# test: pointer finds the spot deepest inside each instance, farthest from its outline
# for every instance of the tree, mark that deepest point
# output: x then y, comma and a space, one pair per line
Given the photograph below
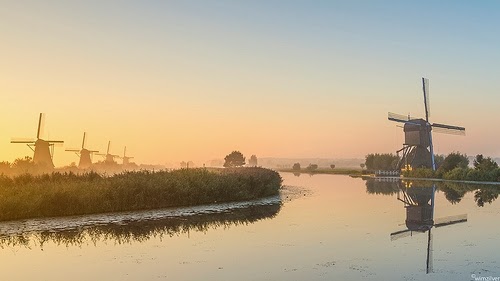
253, 160
234, 159
362, 166
484, 164
332, 166
378, 161
452, 161
296, 167
312, 167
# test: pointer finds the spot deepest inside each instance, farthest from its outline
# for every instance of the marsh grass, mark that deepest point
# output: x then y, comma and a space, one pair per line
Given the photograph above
66, 194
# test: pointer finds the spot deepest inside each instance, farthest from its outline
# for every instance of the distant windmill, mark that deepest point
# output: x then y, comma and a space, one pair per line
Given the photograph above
417, 149
108, 158
84, 154
419, 205
125, 158
43, 149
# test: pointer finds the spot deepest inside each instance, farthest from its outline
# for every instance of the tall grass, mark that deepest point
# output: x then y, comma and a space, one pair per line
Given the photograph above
66, 194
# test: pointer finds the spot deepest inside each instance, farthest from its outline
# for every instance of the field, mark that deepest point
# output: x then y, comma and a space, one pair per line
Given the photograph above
66, 194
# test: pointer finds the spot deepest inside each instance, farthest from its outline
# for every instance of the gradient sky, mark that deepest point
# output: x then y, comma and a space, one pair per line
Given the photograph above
194, 80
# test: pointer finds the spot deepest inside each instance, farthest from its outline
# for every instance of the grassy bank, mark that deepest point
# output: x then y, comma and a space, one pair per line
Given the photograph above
67, 194
336, 171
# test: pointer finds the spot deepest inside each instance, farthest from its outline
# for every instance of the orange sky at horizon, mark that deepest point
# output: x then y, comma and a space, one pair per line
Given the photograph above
176, 82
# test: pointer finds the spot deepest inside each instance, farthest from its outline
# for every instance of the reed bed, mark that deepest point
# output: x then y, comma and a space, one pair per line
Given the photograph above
67, 194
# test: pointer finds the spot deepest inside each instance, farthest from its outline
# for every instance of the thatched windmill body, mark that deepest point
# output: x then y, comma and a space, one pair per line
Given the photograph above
418, 150
84, 154
43, 150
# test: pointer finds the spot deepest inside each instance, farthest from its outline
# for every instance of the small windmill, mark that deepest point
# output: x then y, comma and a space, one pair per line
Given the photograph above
84, 154
43, 149
419, 205
417, 149
108, 158
125, 158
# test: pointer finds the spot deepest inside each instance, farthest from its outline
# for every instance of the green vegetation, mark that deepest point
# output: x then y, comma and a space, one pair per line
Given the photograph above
456, 167
381, 161
66, 194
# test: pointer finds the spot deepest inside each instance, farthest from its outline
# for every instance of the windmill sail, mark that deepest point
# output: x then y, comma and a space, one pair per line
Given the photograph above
425, 84
448, 129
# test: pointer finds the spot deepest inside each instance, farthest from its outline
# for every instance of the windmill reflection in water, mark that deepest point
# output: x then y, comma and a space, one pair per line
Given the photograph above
418, 200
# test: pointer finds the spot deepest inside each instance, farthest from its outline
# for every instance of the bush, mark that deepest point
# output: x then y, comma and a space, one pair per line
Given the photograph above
67, 194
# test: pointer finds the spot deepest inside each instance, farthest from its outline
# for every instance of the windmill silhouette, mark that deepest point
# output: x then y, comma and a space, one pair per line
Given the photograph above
418, 150
84, 154
419, 205
43, 150
108, 157
125, 158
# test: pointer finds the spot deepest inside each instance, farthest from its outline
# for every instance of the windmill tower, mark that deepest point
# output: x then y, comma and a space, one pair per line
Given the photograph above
43, 149
108, 158
418, 149
419, 205
84, 154
125, 158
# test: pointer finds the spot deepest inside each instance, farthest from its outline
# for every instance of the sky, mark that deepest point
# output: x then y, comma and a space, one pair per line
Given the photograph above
194, 80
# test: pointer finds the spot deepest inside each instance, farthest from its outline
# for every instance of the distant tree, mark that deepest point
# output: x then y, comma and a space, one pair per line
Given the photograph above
332, 166
381, 161
296, 167
184, 164
312, 167
24, 165
362, 166
234, 159
452, 161
484, 164
252, 161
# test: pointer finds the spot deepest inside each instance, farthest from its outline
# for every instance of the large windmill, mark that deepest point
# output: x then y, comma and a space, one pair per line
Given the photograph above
125, 158
84, 154
419, 205
417, 149
43, 149
108, 158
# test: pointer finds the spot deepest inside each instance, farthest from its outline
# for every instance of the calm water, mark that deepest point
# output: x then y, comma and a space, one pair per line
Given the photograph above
322, 227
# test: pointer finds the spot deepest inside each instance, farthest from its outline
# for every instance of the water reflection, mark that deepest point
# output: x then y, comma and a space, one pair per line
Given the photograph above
453, 191
418, 198
136, 227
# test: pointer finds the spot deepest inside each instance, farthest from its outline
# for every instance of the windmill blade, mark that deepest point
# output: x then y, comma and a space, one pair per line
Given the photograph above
109, 144
41, 125
400, 234
450, 220
72, 150
94, 151
22, 140
448, 129
398, 117
125, 152
55, 142
425, 87
429, 262
83, 142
